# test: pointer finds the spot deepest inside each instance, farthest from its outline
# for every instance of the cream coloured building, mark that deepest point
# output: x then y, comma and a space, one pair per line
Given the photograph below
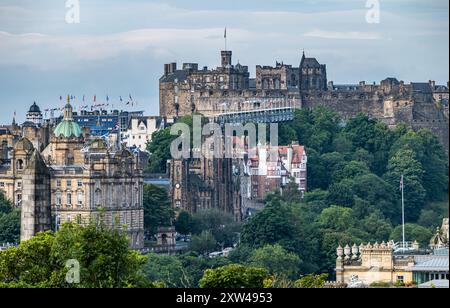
88, 181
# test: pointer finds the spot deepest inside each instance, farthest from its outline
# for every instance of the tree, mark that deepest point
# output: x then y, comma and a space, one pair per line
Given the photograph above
203, 243
10, 227
337, 218
430, 219
183, 223
270, 226
234, 276
9, 222
350, 171
276, 260
377, 227
103, 256
413, 232
404, 163
159, 148
341, 194
312, 281
316, 200
317, 172
291, 192
195, 265
379, 194
158, 211
167, 269
222, 226
433, 158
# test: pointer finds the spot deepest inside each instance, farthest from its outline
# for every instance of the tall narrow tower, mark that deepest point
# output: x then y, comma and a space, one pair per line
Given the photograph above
36, 198
226, 58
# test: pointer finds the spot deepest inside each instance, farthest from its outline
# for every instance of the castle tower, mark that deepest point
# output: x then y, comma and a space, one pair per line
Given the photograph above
226, 58
36, 198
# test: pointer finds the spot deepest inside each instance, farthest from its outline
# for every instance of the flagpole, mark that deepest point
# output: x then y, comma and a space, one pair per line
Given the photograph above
403, 213
225, 36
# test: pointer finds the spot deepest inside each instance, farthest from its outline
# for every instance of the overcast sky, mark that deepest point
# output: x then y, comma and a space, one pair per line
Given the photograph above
119, 47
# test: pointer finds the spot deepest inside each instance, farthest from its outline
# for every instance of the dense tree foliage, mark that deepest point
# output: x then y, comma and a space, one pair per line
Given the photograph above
104, 259
234, 276
311, 281
183, 223
159, 147
203, 243
225, 231
276, 260
158, 211
413, 232
9, 222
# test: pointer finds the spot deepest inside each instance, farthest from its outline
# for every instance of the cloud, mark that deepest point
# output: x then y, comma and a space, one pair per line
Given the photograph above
344, 35
123, 44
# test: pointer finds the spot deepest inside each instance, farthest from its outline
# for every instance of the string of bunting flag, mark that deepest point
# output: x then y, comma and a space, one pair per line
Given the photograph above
84, 103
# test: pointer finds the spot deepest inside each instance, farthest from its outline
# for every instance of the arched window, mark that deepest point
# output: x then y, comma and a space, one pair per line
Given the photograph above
20, 164
98, 197
276, 82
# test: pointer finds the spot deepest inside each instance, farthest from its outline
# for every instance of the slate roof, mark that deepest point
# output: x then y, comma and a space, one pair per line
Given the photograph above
310, 62
431, 263
180, 75
422, 87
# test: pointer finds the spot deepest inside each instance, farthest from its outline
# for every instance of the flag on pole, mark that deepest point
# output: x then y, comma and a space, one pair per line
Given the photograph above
121, 99
402, 182
107, 98
60, 97
95, 98
225, 33
68, 99
84, 97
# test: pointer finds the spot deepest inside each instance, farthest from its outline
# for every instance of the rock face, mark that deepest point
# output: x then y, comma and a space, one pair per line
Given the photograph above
36, 198
392, 102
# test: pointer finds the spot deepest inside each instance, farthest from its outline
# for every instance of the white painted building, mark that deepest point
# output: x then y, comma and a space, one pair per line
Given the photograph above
140, 131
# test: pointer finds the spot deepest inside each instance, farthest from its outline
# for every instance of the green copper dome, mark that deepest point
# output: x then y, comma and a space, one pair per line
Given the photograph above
68, 127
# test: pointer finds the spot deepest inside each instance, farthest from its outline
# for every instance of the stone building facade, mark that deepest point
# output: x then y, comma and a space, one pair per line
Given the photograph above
230, 89
389, 263
267, 175
205, 183
88, 182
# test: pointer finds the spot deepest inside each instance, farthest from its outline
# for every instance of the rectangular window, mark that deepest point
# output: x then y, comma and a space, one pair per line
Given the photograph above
58, 183
400, 279
69, 183
19, 199
58, 198
69, 198
79, 219
69, 218
80, 198
19, 185
80, 183
2, 185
